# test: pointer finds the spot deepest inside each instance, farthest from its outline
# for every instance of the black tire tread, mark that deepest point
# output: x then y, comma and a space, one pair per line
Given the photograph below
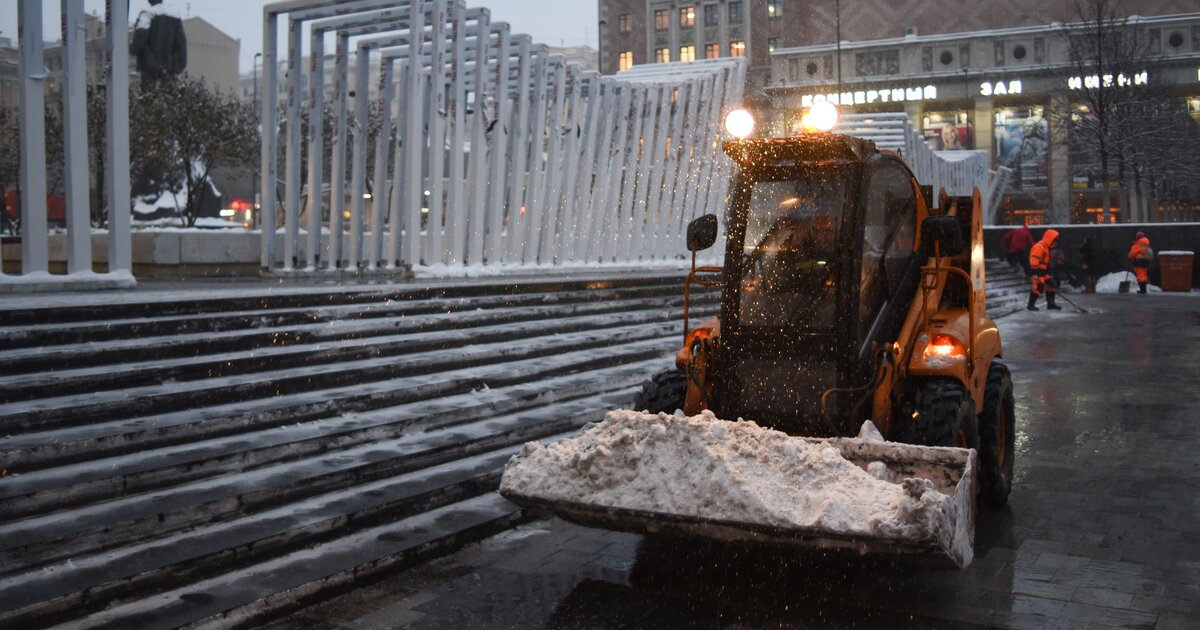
995, 477
664, 392
943, 409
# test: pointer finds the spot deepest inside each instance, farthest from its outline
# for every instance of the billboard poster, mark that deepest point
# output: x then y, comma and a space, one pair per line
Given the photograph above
1022, 144
948, 131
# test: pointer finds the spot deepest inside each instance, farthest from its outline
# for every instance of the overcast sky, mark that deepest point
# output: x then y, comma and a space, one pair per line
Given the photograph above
553, 22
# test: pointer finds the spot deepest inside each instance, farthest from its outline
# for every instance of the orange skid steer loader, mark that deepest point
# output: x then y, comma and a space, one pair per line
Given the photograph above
846, 297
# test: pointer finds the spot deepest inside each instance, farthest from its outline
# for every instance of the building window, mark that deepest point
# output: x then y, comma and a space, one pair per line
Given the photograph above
712, 15
687, 53
625, 23
661, 21
662, 55
737, 49
772, 44
774, 8
687, 17
735, 12
625, 60
712, 51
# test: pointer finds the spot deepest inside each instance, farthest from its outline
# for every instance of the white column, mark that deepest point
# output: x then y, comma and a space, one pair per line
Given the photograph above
292, 178
547, 216
437, 107
120, 257
414, 138
270, 142
358, 155
519, 146
493, 213
35, 256
379, 182
75, 144
316, 146
457, 210
337, 157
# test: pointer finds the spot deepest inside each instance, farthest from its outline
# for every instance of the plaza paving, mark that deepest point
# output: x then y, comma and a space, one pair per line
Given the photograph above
1102, 530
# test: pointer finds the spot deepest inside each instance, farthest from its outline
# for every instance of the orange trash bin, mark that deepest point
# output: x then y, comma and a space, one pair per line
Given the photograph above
1175, 270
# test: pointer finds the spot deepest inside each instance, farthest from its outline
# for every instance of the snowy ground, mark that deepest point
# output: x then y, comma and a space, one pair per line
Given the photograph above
1111, 283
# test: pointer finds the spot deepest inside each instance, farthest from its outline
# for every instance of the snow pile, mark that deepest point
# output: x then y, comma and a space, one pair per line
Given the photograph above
1111, 283
735, 471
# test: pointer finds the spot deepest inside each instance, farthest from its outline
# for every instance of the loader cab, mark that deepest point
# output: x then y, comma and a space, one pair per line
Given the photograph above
818, 254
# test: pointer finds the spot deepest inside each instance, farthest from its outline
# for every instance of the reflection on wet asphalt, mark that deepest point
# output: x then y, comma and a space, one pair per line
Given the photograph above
1102, 529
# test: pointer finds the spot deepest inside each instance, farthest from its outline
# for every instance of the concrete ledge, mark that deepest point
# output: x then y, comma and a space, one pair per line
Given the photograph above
79, 281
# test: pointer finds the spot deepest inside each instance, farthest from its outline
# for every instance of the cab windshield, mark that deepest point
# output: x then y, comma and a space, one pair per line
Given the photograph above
788, 254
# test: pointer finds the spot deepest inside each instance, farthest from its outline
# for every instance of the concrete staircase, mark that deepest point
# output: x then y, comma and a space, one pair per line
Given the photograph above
1007, 289
223, 461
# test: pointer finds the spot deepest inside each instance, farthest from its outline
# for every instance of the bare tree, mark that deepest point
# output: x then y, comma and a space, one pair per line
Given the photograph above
10, 167
182, 129
1112, 61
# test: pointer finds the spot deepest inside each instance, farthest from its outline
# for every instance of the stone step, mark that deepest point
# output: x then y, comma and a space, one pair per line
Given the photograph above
310, 355
313, 328
35, 492
72, 308
410, 441
37, 336
74, 409
263, 591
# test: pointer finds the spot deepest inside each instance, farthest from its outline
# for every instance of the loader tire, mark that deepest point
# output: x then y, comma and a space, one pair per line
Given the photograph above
945, 416
997, 437
662, 393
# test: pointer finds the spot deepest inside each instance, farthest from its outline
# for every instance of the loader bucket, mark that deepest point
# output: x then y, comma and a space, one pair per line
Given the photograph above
930, 528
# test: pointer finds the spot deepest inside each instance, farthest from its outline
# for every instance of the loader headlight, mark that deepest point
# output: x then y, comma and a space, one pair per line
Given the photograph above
739, 123
821, 116
944, 346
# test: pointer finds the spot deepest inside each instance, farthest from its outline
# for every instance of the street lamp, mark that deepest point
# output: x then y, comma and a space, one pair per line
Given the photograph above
255, 71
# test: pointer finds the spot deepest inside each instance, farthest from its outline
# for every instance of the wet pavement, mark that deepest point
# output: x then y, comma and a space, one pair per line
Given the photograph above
1102, 529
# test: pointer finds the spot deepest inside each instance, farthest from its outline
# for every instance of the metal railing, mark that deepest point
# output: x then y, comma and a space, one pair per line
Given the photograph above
492, 152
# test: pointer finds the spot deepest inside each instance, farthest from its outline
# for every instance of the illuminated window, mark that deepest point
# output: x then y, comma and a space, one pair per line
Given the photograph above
625, 24
687, 17
687, 53
737, 49
625, 60
735, 12
712, 15
662, 55
774, 8
661, 21
772, 43
712, 51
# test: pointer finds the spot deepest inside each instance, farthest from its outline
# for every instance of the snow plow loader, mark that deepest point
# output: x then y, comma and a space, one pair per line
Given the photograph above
848, 395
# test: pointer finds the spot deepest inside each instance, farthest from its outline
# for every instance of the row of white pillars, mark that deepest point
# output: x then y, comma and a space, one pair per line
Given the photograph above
35, 250
500, 152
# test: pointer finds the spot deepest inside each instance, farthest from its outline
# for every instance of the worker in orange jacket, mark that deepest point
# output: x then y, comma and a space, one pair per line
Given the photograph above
1141, 255
1039, 271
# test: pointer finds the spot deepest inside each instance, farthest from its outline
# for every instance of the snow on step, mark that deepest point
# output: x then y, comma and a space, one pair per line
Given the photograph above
38, 449
28, 414
315, 353
265, 482
196, 458
238, 597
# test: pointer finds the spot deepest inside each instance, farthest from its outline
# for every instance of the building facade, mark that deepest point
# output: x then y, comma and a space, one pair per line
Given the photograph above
661, 31
635, 32
1010, 92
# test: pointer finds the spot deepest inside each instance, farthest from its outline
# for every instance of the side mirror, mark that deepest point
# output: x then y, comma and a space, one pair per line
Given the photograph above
944, 231
702, 233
